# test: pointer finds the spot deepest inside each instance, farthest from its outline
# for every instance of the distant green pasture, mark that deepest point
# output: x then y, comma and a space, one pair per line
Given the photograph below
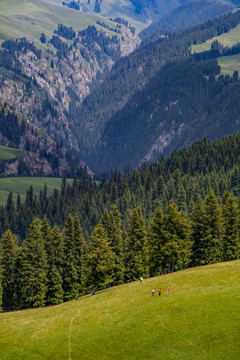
7, 153
29, 18
229, 64
19, 185
226, 39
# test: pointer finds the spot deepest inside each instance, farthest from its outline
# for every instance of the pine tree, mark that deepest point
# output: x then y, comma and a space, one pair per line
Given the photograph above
210, 244
198, 217
31, 270
112, 224
231, 237
101, 260
136, 247
156, 240
8, 250
79, 250
178, 246
71, 286
55, 267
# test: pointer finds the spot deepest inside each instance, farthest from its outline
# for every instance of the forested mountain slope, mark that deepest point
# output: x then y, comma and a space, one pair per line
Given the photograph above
181, 178
104, 114
42, 155
187, 15
47, 72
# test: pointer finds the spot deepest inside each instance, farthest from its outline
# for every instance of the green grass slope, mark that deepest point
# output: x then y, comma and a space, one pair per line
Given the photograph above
226, 39
7, 153
19, 185
29, 18
229, 64
199, 319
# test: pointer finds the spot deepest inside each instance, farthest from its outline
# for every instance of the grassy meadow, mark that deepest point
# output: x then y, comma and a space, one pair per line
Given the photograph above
229, 64
7, 153
19, 185
29, 18
226, 39
199, 319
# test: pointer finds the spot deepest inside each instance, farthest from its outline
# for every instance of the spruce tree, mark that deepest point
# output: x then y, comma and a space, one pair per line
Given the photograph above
231, 238
31, 270
112, 224
198, 217
136, 247
71, 286
8, 250
210, 246
178, 246
55, 267
156, 241
101, 260
79, 250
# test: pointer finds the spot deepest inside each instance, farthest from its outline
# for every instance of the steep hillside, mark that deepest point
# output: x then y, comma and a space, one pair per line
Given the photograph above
61, 54
184, 107
42, 155
108, 100
187, 15
199, 320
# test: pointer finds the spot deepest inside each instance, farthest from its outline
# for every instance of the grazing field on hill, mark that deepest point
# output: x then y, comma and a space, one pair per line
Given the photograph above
7, 153
19, 185
199, 319
29, 18
229, 64
226, 39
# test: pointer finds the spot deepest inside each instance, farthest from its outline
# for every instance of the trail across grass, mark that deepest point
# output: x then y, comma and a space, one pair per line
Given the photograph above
199, 319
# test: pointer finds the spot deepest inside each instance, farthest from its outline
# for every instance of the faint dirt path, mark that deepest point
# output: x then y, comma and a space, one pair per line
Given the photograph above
70, 335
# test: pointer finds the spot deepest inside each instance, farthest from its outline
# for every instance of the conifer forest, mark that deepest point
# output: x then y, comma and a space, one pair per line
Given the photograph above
181, 212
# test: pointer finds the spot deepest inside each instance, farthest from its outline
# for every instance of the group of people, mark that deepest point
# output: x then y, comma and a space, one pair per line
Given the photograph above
160, 291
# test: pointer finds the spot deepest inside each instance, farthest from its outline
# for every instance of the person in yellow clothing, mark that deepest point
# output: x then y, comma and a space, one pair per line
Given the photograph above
141, 279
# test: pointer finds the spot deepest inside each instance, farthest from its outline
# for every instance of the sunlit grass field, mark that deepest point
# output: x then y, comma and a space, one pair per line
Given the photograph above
226, 39
29, 18
229, 64
7, 153
199, 319
19, 185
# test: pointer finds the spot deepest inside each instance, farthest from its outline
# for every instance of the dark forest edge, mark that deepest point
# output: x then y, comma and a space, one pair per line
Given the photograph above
52, 267
183, 211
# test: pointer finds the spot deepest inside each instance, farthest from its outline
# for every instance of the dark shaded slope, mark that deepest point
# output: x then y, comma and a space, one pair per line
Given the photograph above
188, 15
182, 104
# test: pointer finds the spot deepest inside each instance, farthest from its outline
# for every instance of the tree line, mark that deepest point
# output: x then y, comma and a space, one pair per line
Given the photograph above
54, 266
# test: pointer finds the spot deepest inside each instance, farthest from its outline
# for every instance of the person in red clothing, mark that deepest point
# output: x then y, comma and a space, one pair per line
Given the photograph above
168, 290
159, 292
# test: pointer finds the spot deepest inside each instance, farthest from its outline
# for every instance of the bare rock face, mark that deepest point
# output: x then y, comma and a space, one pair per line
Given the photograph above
50, 86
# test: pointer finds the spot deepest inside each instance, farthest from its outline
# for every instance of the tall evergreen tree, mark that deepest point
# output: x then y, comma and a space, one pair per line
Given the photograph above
136, 247
112, 224
231, 237
198, 218
70, 274
55, 267
178, 246
156, 241
210, 243
31, 270
79, 250
8, 250
101, 260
